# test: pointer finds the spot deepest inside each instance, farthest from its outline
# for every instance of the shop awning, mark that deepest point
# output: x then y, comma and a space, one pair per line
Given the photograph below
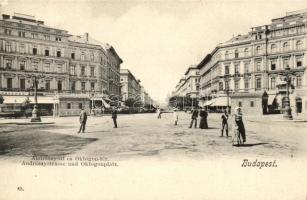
22, 99
271, 98
106, 105
201, 103
221, 101
209, 103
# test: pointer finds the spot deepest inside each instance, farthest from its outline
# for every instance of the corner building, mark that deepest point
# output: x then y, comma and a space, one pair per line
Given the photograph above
247, 69
73, 71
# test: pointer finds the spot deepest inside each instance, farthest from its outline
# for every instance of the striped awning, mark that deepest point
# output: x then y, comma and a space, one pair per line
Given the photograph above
22, 99
221, 101
271, 98
209, 103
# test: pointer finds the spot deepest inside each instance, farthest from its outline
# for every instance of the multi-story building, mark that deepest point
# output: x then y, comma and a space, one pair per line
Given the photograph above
145, 98
130, 86
187, 89
249, 67
113, 63
72, 70
189, 84
132, 89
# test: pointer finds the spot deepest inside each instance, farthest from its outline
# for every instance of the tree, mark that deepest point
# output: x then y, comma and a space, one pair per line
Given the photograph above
129, 102
25, 106
26, 102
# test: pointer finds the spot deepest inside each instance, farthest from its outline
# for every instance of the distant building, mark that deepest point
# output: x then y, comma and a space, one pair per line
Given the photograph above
113, 64
130, 86
187, 88
189, 84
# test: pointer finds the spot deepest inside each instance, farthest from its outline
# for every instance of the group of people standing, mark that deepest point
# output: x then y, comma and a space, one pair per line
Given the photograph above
203, 124
238, 136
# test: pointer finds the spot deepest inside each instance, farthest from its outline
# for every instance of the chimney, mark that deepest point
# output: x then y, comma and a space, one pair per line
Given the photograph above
86, 37
40, 22
4, 16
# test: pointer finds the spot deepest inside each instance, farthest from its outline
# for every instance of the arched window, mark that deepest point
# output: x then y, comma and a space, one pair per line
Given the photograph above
273, 48
286, 46
236, 53
246, 52
258, 50
299, 44
226, 55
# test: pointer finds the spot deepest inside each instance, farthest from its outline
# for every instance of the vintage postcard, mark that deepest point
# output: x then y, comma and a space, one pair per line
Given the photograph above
153, 99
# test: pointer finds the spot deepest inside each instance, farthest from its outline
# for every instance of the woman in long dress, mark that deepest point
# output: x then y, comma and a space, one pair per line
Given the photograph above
203, 119
238, 128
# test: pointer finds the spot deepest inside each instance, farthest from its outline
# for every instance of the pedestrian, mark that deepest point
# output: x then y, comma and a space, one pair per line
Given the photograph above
114, 117
239, 130
194, 118
224, 123
159, 113
82, 120
175, 115
203, 124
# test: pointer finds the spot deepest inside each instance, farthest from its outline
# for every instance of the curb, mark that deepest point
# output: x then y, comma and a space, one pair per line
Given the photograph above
28, 123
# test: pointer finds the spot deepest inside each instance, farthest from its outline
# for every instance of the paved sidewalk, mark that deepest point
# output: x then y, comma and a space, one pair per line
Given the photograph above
276, 118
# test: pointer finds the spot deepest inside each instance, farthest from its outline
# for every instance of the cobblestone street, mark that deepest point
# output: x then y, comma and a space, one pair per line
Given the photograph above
143, 135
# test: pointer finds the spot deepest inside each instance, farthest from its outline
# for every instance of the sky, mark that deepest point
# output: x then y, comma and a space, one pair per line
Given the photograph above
157, 39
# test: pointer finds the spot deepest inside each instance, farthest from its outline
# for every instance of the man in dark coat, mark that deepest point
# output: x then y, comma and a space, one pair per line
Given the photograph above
114, 117
224, 123
240, 124
194, 118
82, 120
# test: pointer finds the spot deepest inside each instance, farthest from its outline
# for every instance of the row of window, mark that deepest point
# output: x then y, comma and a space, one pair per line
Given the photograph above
32, 35
22, 85
83, 86
286, 31
73, 70
47, 52
8, 48
46, 68
35, 66
273, 48
258, 65
258, 83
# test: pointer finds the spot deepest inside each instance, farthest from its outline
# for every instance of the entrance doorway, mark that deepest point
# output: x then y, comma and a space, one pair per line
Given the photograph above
298, 103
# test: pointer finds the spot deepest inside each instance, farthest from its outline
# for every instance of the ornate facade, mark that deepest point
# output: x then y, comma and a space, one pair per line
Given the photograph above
72, 70
251, 65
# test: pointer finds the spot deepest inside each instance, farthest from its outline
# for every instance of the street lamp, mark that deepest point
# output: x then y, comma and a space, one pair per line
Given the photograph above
228, 106
35, 113
288, 112
93, 98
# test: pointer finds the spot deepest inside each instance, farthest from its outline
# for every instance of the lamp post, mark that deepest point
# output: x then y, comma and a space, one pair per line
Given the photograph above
35, 113
93, 97
288, 112
228, 106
